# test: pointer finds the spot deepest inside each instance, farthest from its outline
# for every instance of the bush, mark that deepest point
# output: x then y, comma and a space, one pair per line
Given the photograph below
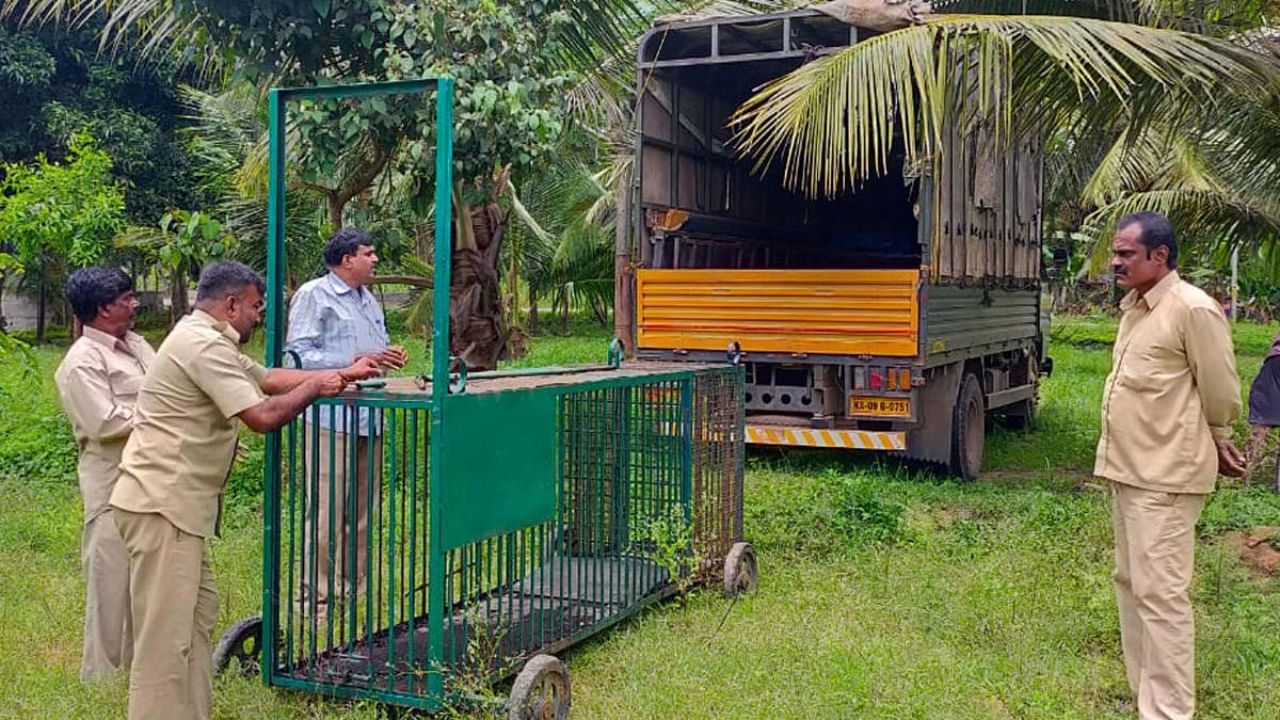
36, 444
244, 490
1234, 507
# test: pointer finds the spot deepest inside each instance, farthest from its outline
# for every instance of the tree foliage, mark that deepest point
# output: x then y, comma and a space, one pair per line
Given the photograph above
56, 83
182, 242
54, 215
67, 210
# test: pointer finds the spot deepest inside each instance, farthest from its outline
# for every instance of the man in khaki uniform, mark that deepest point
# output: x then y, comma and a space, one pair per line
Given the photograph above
168, 499
98, 383
1166, 415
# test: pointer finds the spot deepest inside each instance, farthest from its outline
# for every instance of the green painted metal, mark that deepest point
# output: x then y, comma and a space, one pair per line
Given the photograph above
275, 311
440, 348
274, 350
614, 458
497, 465
524, 372
359, 90
526, 514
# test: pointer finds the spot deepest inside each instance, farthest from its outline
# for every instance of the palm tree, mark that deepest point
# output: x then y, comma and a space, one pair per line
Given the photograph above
1105, 85
569, 253
227, 138
1216, 179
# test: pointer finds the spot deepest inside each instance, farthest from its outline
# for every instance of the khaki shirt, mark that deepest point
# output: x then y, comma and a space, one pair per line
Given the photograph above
184, 438
98, 383
1172, 388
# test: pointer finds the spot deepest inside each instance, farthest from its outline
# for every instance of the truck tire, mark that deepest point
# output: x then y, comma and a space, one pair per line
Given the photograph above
968, 429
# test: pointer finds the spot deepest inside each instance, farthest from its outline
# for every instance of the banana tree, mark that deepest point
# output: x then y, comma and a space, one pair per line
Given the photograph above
182, 242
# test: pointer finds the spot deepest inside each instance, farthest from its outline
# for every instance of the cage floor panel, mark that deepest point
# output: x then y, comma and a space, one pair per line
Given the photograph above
566, 595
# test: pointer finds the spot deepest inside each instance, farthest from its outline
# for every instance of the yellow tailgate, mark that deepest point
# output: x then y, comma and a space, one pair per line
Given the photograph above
821, 312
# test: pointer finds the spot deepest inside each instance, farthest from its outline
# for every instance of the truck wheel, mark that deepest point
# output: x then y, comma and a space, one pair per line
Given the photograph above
968, 430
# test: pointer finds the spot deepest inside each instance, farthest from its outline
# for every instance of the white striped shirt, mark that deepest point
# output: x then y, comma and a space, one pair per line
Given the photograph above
329, 324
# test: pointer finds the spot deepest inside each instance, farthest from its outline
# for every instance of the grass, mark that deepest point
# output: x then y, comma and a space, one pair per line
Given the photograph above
885, 592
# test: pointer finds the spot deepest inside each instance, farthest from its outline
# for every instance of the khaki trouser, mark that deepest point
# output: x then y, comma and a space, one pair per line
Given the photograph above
174, 608
341, 506
1155, 556
108, 628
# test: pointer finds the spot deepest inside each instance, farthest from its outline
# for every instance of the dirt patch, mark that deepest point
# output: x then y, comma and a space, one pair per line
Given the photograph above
998, 709
948, 515
1257, 548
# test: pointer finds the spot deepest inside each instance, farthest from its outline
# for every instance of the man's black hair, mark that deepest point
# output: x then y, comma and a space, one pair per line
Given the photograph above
1156, 231
90, 289
227, 277
345, 241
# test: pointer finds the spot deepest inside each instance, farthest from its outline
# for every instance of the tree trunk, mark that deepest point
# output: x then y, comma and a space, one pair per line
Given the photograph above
44, 288
477, 330
564, 307
177, 296
336, 204
533, 309
513, 281
601, 312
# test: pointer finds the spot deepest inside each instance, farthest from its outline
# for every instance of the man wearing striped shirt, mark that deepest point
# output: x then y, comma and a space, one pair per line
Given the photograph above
334, 320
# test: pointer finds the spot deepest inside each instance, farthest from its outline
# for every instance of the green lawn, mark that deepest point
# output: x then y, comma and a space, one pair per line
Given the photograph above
885, 592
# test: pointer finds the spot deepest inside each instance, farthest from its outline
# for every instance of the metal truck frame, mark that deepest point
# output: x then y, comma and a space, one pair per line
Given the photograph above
897, 318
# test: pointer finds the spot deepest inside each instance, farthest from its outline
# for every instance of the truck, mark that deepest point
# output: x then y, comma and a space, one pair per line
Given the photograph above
898, 317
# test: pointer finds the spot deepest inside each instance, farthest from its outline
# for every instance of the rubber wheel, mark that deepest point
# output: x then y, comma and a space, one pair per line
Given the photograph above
740, 570
243, 642
968, 430
541, 691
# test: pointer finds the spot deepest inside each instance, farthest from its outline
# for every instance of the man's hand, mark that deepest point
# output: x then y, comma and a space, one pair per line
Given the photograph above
328, 384
363, 368
394, 357
397, 355
1230, 462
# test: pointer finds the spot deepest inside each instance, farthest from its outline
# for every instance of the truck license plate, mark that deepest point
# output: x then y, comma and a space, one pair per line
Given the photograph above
880, 407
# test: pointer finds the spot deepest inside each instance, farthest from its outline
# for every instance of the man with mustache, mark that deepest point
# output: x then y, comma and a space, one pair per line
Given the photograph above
1167, 411
333, 320
98, 384
168, 499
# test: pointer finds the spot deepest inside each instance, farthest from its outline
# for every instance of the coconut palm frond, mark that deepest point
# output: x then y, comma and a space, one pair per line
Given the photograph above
832, 122
1212, 218
154, 29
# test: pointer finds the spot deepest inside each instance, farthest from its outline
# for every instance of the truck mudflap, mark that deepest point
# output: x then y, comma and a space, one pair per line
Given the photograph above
842, 439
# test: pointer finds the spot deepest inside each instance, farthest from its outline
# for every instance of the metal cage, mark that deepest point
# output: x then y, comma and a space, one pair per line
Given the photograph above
548, 521
477, 524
